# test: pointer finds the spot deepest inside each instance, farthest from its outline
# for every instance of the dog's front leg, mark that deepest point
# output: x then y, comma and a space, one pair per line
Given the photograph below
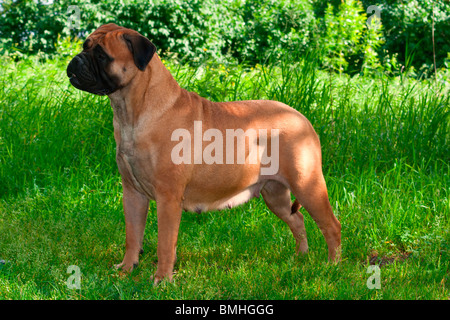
135, 206
169, 217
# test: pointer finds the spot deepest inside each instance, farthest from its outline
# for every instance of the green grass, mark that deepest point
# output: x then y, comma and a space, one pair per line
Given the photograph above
385, 145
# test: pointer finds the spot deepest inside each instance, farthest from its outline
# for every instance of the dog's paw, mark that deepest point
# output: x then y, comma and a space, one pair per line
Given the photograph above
126, 266
157, 279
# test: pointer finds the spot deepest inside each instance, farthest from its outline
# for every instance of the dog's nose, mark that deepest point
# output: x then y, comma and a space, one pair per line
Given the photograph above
68, 71
73, 66
79, 68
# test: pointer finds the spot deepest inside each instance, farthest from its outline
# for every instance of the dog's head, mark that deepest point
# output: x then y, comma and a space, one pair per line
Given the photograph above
110, 59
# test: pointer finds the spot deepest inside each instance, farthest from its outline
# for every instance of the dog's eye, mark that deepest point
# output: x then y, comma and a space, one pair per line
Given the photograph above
101, 57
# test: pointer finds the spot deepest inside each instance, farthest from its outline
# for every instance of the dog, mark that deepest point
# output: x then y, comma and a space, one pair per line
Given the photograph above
154, 122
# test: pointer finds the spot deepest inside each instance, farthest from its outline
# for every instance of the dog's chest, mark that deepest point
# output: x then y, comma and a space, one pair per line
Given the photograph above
126, 141
133, 170
129, 156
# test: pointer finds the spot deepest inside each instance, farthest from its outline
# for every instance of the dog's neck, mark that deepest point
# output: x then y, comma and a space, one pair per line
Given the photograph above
136, 102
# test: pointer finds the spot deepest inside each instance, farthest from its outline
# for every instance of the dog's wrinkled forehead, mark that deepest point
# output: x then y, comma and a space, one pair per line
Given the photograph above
103, 33
122, 45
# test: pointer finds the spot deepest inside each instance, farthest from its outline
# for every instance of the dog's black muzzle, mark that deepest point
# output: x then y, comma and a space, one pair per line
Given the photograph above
85, 75
80, 72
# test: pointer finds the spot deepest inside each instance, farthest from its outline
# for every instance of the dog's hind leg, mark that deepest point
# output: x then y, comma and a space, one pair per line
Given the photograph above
278, 200
311, 192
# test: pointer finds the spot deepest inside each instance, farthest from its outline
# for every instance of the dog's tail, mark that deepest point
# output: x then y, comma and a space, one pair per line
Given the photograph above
295, 207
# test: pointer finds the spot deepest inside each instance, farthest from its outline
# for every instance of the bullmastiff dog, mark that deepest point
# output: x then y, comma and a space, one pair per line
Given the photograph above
188, 153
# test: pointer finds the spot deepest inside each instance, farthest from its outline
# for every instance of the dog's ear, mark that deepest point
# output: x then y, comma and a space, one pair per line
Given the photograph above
141, 48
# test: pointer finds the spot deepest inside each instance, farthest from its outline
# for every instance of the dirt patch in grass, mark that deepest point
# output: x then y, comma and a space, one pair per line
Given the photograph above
376, 259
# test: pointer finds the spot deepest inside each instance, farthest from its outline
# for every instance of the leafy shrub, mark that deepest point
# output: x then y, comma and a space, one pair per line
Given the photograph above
407, 28
246, 31
408, 31
30, 26
348, 43
269, 28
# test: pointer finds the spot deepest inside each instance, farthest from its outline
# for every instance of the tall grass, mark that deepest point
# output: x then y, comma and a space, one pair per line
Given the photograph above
385, 144
48, 128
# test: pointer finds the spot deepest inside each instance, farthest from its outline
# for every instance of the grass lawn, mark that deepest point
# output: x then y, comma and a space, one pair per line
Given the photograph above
386, 150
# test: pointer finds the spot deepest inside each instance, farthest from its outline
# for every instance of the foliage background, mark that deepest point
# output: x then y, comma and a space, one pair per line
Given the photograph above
248, 31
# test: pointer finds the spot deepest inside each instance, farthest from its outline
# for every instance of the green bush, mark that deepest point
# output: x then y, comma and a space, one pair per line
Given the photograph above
267, 28
29, 26
408, 26
348, 44
248, 30
245, 31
